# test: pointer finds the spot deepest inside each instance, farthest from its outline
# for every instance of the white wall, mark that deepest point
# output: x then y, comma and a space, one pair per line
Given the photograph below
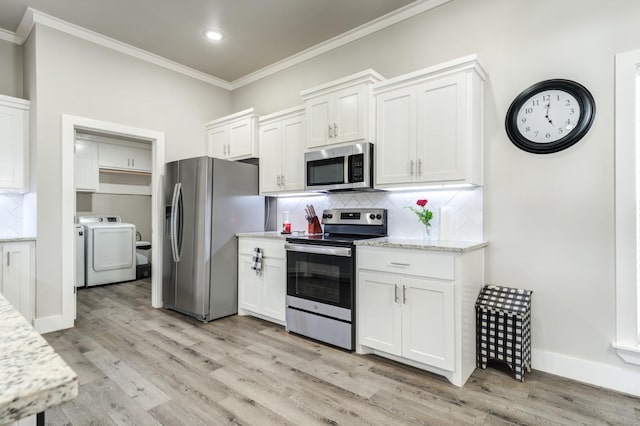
134, 209
10, 69
73, 76
549, 219
11, 215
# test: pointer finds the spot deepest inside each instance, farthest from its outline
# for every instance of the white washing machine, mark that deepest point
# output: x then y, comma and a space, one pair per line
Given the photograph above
110, 250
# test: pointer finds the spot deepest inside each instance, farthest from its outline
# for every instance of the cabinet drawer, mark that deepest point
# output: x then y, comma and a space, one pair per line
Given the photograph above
271, 248
421, 263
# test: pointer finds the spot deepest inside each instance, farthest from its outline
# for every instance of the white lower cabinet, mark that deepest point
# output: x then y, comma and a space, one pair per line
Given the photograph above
418, 307
262, 294
17, 274
427, 322
408, 317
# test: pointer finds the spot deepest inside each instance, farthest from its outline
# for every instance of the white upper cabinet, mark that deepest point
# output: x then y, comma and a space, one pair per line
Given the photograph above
86, 166
233, 137
107, 165
218, 141
340, 111
281, 138
429, 126
14, 144
124, 157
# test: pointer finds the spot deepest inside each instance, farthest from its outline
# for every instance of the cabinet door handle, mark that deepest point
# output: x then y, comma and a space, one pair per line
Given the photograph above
335, 130
411, 168
133, 162
395, 292
128, 162
400, 264
330, 131
279, 181
419, 167
224, 149
404, 294
282, 180
229, 149
8, 258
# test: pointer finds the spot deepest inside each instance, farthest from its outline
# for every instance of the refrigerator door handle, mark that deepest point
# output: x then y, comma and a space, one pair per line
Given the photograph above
180, 222
174, 222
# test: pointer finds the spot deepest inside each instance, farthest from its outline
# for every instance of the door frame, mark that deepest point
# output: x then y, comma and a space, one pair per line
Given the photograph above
70, 124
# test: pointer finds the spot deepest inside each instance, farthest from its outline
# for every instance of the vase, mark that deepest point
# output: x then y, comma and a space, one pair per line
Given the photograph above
426, 232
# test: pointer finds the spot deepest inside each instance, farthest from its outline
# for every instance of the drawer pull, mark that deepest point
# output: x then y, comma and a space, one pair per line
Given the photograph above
400, 264
404, 294
395, 292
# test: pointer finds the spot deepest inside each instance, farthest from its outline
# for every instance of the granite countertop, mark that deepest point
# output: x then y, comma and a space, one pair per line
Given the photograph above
275, 235
434, 245
14, 238
391, 242
33, 377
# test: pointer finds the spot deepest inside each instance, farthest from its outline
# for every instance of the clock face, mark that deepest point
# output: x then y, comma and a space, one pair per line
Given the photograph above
548, 116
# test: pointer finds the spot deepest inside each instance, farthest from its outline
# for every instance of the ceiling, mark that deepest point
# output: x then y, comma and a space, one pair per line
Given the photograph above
257, 33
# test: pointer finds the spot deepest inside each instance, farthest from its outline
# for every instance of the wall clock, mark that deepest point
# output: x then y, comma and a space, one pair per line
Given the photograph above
550, 116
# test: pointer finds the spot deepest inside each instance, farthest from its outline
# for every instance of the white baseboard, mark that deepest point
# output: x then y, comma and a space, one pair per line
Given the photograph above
621, 379
52, 323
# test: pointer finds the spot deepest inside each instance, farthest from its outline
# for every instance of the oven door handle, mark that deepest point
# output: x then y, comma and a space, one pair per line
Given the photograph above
308, 248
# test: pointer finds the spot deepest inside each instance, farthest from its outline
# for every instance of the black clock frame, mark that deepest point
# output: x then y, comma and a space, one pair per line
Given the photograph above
587, 114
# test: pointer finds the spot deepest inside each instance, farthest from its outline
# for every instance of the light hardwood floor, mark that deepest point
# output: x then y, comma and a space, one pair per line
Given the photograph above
145, 366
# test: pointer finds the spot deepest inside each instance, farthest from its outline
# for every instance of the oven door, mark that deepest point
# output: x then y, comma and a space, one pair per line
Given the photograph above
320, 274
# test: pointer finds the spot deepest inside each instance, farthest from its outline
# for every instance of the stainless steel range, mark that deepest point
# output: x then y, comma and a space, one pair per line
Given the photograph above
321, 275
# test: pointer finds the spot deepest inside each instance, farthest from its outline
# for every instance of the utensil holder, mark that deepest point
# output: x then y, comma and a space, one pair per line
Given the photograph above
314, 227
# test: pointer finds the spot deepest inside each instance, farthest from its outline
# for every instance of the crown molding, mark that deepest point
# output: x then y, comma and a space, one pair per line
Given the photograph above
32, 17
364, 30
9, 36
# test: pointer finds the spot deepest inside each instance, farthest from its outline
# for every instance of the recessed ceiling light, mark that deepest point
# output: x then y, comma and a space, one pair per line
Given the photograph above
214, 35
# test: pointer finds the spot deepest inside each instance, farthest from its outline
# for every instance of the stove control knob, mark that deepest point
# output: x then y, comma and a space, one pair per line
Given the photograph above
372, 216
378, 216
324, 215
330, 216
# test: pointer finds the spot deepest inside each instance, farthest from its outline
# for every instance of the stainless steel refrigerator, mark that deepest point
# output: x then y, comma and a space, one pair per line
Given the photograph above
208, 202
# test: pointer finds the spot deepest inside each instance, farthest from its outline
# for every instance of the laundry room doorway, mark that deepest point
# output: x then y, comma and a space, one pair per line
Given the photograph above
139, 177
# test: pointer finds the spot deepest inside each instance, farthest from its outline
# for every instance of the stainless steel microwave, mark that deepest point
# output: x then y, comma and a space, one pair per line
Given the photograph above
342, 168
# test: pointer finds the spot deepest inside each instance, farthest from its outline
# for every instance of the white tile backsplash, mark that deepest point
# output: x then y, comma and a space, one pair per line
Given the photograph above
11, 215
462, 208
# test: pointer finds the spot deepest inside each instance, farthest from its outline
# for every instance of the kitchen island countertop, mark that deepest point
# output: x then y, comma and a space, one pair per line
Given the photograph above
434, 245
33, 377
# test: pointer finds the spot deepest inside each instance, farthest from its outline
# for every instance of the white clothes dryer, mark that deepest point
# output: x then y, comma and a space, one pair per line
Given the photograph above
110, 250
